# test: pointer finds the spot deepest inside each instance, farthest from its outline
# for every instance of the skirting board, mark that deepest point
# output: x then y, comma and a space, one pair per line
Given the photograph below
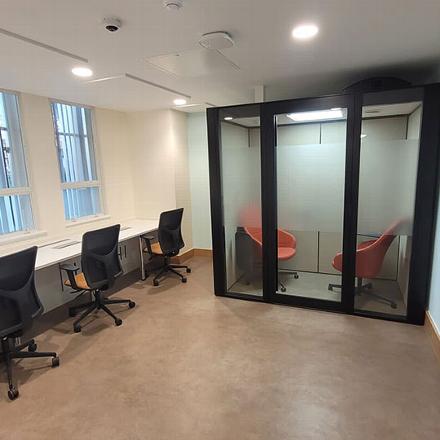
195, 252
434, 332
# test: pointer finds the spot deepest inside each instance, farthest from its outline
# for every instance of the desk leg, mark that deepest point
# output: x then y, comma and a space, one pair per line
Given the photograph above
142, 259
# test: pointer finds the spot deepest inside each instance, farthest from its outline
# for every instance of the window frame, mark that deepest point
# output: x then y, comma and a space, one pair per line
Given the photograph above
97, 183
21, 190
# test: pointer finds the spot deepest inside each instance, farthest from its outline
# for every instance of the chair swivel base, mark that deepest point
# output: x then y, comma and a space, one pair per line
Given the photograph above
171, 268
288, 271
366, 289
99, 303
11, 351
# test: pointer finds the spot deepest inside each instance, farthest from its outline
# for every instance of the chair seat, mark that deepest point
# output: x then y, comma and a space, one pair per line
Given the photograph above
80, 282
155, 249
284, 253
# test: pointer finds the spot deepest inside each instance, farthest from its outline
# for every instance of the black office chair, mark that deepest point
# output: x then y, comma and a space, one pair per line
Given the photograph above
169, 245
100, 267
19, 306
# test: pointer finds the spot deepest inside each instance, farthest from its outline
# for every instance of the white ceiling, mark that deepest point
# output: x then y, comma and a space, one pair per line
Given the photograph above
356, 38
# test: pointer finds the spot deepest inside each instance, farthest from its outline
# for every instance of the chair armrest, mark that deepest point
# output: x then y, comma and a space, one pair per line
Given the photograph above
69, 268
71, 272
148, 239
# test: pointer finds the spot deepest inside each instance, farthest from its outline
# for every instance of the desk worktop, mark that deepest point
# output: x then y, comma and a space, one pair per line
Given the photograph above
61, 249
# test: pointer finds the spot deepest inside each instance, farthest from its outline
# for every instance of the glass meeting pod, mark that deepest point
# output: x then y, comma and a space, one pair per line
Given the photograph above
327, 202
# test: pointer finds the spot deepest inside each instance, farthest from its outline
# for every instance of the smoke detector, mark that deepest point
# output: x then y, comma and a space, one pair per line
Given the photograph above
216, 40
173, 5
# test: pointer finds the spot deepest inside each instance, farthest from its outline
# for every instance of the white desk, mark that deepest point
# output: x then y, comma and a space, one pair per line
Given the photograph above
57, 251
52, 252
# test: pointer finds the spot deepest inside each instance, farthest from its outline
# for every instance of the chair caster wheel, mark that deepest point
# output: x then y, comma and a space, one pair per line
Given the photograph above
188, 270
72, 313
118, 322
283, 289
32, 347
155, 283
55, 362
296, 276
13, 393
131, 304
77, 328
184, 280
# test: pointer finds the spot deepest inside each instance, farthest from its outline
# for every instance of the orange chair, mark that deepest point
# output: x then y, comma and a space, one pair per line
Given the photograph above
369, 259
286, 248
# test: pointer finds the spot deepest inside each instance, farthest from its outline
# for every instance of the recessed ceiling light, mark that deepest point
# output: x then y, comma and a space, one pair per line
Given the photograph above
228, 118
305, 31
179, 101
320, 115
83, 72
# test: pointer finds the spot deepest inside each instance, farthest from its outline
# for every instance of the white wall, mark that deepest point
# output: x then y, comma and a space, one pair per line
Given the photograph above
159, 165
116, 163
199, 180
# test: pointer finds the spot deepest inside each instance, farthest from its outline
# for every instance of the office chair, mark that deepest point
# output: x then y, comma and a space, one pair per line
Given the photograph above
286, 248
169, 245
370, 255
19, 306
100, 267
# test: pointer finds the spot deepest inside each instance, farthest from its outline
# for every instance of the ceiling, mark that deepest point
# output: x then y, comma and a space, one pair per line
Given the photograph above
357, 38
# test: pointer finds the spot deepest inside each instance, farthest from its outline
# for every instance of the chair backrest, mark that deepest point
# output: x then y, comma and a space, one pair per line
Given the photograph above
99, 257
169, 233
370, 255
285, 239
19, 302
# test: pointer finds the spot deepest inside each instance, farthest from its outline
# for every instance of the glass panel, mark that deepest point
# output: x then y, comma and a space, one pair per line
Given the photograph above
310, 152
81, 202
241, 177
15, 214
387, 186
12, 162
76, 154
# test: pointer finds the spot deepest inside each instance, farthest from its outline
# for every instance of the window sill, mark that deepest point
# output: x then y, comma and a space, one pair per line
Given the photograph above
85, 220
21, 236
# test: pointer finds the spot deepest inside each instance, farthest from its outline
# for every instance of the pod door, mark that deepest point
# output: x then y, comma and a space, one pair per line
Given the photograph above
308, 165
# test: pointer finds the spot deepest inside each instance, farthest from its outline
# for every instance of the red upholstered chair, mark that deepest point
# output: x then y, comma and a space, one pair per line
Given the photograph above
286, 247
369, 259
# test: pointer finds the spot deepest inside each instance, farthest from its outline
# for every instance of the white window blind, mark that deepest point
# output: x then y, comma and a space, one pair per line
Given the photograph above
77, 161
15, 200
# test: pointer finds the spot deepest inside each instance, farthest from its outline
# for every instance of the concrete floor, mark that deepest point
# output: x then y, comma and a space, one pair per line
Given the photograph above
188, 365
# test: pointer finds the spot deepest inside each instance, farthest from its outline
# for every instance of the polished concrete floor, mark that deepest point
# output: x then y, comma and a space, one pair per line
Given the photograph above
188, 365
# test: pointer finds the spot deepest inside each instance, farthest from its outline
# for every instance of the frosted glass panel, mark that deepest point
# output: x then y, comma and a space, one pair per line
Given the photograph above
241, 182
310, 194
387, 185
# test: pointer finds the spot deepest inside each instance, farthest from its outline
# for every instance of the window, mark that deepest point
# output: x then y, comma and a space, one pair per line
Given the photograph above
76, 157
15, 200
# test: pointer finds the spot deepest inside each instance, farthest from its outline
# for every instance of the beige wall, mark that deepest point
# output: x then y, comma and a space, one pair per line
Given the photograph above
159, 156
